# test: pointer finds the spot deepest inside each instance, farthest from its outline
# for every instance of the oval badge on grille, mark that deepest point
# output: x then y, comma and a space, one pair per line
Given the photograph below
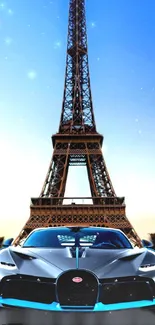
77, 279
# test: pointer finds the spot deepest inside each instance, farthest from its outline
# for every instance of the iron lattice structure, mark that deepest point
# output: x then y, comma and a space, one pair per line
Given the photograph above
78, 143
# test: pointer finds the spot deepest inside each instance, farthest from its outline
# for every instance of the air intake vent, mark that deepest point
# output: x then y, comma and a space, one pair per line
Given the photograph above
125, 290
28, 288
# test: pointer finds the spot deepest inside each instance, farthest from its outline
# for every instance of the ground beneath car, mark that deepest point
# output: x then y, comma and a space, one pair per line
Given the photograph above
36, 317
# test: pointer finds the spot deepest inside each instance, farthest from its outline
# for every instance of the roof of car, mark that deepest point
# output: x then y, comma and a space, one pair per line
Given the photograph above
79, 228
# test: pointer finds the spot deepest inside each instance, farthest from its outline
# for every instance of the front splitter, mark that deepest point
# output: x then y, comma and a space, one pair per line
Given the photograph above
55, 306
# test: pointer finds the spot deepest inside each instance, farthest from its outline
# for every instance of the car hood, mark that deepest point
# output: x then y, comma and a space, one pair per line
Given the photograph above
52, 262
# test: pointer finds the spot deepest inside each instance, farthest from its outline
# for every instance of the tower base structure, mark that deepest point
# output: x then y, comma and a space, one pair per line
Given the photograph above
104, 212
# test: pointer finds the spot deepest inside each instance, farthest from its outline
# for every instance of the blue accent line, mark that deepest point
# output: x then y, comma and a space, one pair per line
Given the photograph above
77, 257
56, 307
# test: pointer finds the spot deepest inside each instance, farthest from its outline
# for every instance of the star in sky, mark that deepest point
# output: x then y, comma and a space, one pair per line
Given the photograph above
93, 25
8, 41
32, 74
10, 12
57, 45
2, 5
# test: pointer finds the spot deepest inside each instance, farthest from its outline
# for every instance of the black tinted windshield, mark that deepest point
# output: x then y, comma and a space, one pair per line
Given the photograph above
84, 237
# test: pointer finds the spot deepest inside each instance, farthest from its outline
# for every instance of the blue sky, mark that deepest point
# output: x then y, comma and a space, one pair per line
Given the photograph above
33, 36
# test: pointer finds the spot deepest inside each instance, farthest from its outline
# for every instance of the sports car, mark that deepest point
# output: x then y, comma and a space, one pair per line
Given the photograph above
77, 269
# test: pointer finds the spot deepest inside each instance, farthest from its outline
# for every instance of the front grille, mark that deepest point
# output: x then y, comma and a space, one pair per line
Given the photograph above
125, 290
82, 293
29, 288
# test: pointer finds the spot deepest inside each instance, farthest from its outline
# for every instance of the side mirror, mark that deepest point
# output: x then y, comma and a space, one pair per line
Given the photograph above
7, 243
147, 243
1, 241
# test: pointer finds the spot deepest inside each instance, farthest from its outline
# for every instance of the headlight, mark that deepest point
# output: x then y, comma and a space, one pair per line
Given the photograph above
7, 264
147, 267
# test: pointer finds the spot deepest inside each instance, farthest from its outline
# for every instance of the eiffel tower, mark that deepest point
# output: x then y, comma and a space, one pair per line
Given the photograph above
78, 143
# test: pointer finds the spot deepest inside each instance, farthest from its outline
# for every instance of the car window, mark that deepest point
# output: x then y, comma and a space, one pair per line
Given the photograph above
59, 238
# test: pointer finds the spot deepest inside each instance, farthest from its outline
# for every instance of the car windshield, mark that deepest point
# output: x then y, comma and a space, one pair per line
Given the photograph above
84, 237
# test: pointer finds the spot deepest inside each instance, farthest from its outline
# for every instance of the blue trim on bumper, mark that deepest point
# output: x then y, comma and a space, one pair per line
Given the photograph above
56, 307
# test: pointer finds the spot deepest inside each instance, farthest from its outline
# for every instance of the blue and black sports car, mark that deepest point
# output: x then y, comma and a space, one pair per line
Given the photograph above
77, 269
